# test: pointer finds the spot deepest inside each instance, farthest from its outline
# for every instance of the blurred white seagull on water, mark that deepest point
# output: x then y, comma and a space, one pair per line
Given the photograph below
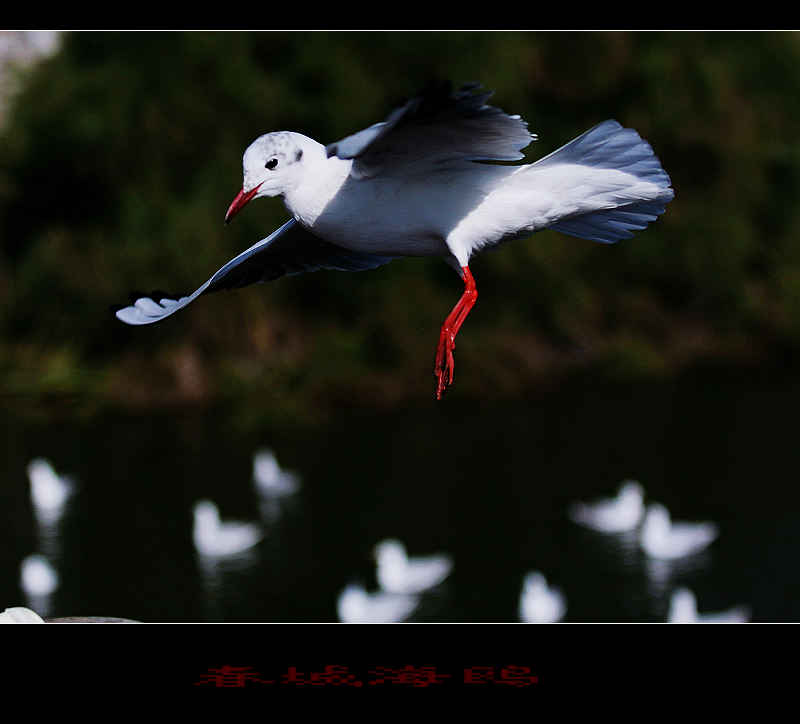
39, 581
683, 609
539, 602
397, 573
661, 538
415, 185
270, 478
612, 515
355, 605
217, 539
49, 491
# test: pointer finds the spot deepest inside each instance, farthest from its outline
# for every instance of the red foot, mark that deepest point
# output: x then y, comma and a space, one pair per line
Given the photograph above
443, 367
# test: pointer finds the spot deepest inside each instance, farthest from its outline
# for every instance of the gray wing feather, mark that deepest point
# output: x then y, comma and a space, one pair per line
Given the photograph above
291, 249
438, 125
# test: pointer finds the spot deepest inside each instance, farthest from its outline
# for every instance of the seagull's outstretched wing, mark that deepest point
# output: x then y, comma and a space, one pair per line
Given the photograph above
289, 250
438, 125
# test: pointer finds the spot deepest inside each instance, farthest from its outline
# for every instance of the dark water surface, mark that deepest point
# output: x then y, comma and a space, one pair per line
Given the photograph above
487, 484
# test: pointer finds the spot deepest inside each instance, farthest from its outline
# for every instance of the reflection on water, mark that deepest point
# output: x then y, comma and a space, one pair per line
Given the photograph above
490, 485
664, 574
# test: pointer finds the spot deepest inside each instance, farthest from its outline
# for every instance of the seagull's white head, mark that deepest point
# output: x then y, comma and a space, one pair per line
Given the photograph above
390, 552
631, 491
656, 522
274, 164
206, 515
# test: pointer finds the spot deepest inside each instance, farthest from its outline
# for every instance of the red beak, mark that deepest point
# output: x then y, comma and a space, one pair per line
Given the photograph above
241, 199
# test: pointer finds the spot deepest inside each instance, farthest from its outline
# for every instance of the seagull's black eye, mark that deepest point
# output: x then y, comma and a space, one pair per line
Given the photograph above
272, 163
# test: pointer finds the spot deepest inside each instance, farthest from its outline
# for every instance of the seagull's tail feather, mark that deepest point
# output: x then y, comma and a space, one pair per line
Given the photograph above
610, 225
609, 146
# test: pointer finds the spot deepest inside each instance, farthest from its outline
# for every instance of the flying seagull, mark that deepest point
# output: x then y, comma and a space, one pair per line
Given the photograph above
422, 183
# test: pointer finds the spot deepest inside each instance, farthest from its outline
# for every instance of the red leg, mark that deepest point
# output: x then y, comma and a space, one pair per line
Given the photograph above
443, 368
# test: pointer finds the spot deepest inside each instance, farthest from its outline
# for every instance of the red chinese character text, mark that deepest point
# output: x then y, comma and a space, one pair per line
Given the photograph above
233, 676
479, 675
517, 676
418, 676
331, 675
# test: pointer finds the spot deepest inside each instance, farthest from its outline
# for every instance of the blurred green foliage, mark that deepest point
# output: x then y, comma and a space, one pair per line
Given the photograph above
122, 152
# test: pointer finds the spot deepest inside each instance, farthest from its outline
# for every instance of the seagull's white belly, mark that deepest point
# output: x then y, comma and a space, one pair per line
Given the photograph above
414, 216
398, 225
377, 235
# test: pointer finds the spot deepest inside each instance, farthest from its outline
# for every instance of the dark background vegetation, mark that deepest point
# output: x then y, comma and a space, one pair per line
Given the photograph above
122, 152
